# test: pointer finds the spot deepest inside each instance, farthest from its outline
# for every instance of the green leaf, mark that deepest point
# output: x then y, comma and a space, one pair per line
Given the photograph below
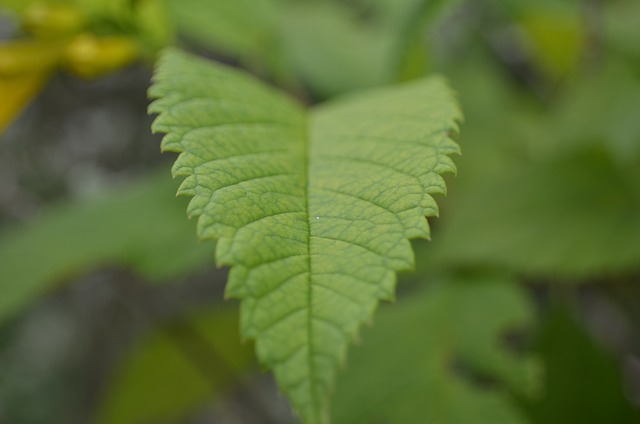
140, 226
177, 368
440, 356
621, 29
14, 5
332, 52
568, 350
556, 34
573, 217
149, 20
600, 109
244, 29
313, 209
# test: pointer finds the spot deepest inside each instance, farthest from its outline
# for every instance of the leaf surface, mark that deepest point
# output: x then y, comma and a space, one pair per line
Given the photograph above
312, 209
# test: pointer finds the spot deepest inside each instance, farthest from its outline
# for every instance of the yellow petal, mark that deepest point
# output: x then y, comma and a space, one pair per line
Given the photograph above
47, 20
90, 56
16, 92
29, 56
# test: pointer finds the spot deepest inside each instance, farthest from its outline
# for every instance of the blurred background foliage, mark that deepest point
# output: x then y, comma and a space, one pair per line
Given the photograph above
525, 307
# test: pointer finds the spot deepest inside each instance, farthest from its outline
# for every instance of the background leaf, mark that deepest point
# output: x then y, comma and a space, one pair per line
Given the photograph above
440, 356
568, 351
141, 227
176, 369
536, 220
243, 29
311, 33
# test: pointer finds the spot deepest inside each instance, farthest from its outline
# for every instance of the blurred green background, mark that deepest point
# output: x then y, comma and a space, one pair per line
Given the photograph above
525, 307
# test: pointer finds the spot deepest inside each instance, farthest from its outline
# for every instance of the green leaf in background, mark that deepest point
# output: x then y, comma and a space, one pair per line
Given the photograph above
148, 20
141, 226
441, 356
600, 109
177, 369
584, 382
621, 28
573, 217
313, 210
243, 29
333, 52
14, 5
410, 25
555, 33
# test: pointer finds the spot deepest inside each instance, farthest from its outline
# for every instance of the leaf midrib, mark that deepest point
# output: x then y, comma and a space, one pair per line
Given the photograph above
307, 175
